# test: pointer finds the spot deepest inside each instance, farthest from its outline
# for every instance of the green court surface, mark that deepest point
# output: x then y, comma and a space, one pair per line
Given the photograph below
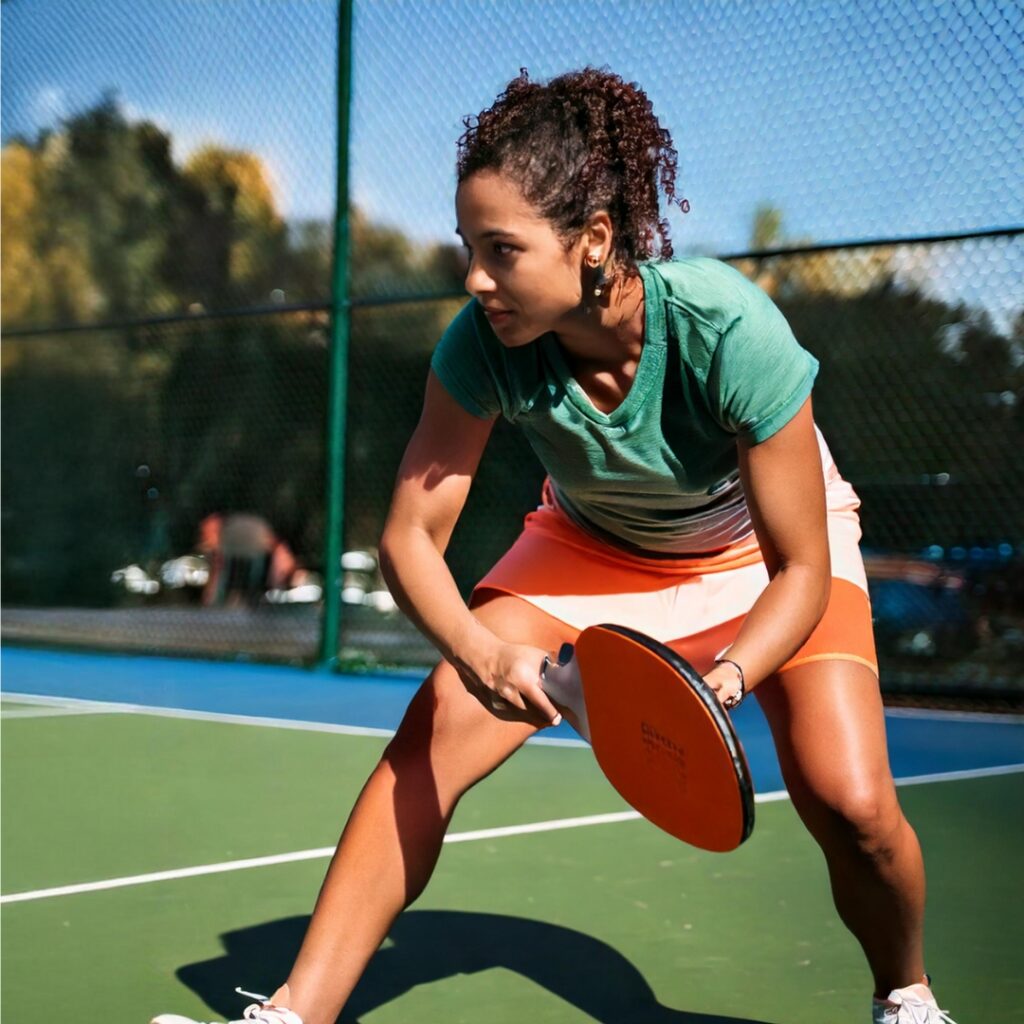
614, 922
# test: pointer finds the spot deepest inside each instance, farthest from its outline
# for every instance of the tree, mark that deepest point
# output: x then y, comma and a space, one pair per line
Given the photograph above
110, 187
47, 275
237, 235
915, 427
118, 442
920, 399
19, 208
847, 272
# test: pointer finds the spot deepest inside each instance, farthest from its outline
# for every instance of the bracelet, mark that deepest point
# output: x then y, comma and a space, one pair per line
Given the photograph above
734, 699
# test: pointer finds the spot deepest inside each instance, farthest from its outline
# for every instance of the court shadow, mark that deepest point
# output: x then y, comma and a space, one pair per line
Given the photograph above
428, 945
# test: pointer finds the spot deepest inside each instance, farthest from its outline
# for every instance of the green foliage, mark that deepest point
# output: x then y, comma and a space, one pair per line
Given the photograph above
70, 508
920, 402
119, 442
109, 188
143, 235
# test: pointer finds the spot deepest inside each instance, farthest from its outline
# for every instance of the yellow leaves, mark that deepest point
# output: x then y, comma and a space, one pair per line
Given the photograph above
18, 202
218, 170
39, 280
842, 272
237, 187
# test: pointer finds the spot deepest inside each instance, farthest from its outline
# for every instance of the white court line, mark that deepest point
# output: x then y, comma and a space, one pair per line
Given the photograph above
529, 828
944, 715
55, 712
966, 773
555, 825
102, 707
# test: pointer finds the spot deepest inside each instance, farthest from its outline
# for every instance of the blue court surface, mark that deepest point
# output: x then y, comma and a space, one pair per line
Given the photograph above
921, 742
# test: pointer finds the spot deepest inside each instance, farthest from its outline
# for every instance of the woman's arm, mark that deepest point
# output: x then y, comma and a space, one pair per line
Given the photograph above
785, 491
433, 482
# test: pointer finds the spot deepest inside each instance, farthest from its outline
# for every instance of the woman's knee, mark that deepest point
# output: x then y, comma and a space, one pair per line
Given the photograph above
865, 817
429, 715
829, 729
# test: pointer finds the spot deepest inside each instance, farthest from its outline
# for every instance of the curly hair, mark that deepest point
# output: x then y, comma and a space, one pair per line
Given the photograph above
585, 141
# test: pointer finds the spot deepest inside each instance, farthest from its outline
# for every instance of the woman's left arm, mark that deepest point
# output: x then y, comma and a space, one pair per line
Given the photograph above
785, 490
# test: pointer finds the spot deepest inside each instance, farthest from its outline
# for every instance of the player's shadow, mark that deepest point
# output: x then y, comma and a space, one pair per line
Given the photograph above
428, 945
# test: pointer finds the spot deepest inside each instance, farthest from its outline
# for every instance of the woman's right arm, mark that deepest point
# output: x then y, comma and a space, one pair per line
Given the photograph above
433, 482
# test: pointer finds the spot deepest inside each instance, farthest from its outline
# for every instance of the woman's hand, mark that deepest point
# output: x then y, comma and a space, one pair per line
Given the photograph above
509, 685
727, 683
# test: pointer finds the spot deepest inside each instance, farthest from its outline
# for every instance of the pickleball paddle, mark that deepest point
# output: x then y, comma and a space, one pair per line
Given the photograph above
658, 732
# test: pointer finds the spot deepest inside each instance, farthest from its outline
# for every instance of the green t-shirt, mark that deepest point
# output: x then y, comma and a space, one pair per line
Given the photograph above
659, 473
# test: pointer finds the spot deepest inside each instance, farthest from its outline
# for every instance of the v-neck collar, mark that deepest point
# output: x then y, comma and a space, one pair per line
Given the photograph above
649, 366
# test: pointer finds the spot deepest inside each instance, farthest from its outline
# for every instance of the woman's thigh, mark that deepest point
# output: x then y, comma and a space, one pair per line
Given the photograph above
464, 740
828, 725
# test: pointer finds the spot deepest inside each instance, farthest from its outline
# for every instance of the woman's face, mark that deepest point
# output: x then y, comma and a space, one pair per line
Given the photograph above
519, 268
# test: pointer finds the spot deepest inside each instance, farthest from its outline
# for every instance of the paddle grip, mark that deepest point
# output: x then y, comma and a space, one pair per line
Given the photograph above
561, 682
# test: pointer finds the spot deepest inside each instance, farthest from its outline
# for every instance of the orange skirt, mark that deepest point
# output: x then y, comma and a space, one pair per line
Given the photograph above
695, 605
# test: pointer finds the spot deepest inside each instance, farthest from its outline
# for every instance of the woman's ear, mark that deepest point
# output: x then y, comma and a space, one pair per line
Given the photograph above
599, 236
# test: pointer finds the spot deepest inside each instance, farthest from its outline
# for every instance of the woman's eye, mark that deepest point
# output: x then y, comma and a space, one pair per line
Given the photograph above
501, 249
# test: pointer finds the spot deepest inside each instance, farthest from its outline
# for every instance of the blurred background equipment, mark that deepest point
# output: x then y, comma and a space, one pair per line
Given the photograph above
196, 325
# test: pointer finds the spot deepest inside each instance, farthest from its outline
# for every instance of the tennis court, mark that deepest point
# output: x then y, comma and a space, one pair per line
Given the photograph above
168, 823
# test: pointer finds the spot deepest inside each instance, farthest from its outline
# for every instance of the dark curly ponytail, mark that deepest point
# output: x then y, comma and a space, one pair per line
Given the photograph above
584, 142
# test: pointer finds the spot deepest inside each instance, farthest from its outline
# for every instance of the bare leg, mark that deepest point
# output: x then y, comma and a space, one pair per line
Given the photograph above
829, 729
387, 852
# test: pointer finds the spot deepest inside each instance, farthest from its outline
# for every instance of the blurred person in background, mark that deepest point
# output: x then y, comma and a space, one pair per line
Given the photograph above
246, 558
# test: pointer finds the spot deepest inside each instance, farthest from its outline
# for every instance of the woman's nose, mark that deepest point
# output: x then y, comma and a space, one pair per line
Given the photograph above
478, 281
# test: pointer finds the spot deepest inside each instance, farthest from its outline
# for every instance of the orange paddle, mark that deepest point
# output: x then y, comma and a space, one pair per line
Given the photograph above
658, 732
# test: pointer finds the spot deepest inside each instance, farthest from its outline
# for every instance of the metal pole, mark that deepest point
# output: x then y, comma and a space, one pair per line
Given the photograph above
330, 626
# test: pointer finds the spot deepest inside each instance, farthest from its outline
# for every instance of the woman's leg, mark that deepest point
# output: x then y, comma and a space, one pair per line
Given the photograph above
387, 852
829, 729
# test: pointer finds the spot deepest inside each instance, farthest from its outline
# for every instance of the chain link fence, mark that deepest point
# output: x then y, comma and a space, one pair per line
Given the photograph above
169, 211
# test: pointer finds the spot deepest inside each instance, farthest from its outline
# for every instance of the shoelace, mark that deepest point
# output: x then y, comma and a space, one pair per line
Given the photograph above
257, 1012
932, 1015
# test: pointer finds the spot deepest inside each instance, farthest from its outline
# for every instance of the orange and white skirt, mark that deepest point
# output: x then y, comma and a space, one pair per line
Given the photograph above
696, 605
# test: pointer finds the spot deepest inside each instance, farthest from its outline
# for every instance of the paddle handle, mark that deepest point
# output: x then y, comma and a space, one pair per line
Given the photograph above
562, 683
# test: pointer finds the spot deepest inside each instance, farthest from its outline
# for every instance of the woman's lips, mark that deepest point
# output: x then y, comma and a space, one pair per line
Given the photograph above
497, 316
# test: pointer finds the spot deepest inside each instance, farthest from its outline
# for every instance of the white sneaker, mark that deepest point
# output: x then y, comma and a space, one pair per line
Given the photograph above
914, 1004
261, 1012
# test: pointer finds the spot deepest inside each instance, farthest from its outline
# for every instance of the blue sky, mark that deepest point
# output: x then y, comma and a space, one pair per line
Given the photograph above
859, 118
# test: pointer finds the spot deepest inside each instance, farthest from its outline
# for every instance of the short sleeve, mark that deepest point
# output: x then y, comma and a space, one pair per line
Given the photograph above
760, 375
461, 363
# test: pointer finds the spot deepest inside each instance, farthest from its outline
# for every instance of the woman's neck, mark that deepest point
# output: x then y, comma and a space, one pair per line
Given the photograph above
608, 330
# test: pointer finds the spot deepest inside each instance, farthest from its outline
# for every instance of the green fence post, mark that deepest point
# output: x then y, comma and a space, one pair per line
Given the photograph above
341, 311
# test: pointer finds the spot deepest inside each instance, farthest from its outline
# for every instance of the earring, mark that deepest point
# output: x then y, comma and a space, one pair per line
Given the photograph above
594, 262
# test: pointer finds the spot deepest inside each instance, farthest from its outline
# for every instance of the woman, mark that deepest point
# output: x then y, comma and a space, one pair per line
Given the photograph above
689, 493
